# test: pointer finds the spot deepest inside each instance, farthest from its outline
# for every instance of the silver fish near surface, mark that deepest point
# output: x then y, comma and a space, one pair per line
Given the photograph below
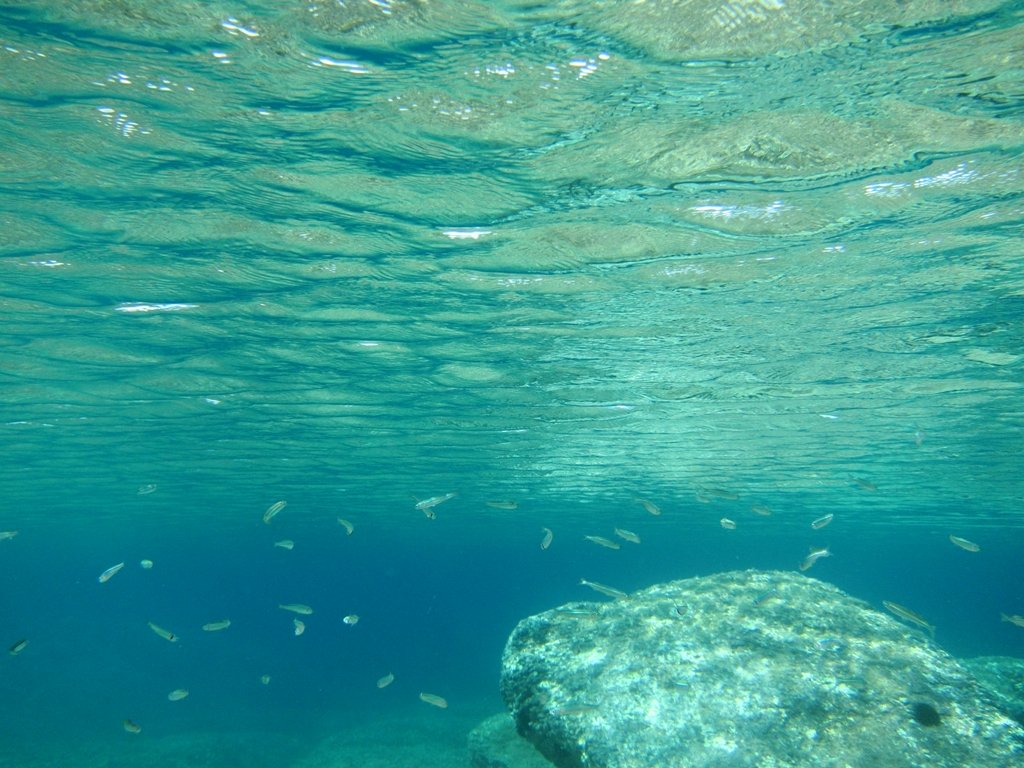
273, 509
822, 521
548, 538
650, 506
502, 504
425, 504
964, 544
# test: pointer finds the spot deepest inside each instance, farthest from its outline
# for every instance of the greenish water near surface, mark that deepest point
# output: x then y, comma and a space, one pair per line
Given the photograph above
352, 256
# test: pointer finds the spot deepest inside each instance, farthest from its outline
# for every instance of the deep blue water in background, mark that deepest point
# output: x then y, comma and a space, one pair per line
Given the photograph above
351, 255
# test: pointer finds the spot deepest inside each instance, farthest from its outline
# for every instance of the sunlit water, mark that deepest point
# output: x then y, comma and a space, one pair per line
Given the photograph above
356, 255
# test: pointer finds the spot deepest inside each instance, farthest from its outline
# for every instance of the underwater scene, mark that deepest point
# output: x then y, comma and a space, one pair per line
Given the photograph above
512, 384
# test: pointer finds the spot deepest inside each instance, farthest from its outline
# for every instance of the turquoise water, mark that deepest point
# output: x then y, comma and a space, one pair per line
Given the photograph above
356, 255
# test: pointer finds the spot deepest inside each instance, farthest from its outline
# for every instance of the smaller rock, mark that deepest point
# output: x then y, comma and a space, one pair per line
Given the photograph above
495, 744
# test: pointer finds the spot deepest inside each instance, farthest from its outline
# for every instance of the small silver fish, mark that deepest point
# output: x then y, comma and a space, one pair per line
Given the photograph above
602, 541
912, 616
346, 525
603, 589
822, 521
571, 710
502, 504
625, 535
305, 610
814, 556
970, 546
109, 573
548, 538
433, 501
434, 700
273, 509
729, 525
650, 506
165, 634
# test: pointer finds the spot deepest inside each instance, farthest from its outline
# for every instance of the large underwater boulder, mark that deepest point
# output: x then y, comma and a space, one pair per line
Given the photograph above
765, 669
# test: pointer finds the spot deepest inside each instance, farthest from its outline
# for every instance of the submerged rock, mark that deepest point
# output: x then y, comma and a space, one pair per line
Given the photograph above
1003, 678
495, 744
745, 669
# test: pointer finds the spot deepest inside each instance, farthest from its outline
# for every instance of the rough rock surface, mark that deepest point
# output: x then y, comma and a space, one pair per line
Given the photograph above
1003, 678
743, 669
495, 744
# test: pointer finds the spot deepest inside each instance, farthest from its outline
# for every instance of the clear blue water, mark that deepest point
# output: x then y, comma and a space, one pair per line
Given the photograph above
351, 255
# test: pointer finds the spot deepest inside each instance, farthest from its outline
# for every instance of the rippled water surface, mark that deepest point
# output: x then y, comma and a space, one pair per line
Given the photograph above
355, 255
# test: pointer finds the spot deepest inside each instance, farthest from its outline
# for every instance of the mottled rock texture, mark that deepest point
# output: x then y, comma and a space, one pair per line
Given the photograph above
1003, 678
745, 669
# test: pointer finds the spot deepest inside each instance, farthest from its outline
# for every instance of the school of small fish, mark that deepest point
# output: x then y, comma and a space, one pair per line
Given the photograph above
428, 507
